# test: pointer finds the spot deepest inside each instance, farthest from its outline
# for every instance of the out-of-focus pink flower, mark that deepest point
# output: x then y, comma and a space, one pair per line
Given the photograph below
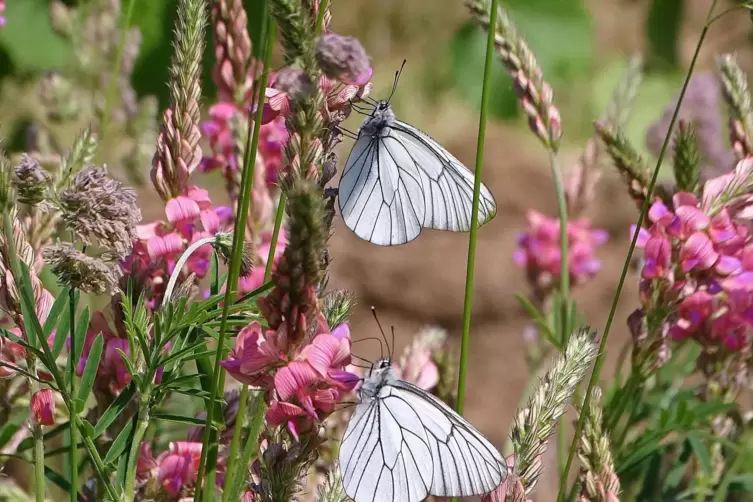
43, 407
539, 249
416, 365
500, 493
174, 468
2, 10
112, 373
10, 353
147, 465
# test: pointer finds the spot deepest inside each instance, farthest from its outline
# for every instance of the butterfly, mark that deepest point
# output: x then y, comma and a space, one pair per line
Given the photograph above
403, 444
398, 180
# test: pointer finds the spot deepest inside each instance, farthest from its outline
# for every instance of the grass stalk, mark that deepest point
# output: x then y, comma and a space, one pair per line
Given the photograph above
468, 302
112, 88
74, 427
247, 180
142, 424
626, 267
38, 438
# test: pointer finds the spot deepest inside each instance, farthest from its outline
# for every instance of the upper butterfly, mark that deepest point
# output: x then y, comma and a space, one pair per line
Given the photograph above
398, 180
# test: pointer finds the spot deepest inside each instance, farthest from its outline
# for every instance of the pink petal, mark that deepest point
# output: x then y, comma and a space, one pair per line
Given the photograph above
279, 411
181, 208
698, 252
341, 331
659, 213
200, 196
692, 218
294, 377
223, 111
210, 221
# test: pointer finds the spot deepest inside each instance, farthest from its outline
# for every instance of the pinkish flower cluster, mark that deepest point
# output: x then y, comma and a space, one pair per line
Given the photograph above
172, 474
539, 250
159, 244
704, 260
10, 353
112, 374
303, 383
43, 407
2, 10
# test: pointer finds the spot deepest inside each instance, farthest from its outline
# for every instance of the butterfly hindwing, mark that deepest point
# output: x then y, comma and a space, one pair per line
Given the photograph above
465, 462
448, 184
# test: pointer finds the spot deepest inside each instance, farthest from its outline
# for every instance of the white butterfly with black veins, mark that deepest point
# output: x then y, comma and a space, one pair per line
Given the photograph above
403, 444
398, 180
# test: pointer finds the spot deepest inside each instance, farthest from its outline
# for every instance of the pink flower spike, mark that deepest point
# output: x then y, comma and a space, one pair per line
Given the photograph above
293, 378
657, 256
43, 407
181, 208
698, 253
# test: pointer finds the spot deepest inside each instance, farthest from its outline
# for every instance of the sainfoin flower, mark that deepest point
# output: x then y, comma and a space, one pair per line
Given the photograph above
10, 353
2, 10
172, 470
303, 383
699, 255
539, 249
43, 407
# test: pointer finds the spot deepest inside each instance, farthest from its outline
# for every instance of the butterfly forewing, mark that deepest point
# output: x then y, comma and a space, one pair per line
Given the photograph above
381, 198
405, 444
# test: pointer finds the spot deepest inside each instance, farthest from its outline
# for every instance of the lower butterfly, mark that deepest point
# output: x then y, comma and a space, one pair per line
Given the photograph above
403, 444
398, 180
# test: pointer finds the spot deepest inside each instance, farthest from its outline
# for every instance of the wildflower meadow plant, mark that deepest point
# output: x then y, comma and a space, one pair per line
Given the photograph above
205, 355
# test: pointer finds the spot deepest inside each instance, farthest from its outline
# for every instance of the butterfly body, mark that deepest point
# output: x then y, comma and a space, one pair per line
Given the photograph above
398, 180
403, 444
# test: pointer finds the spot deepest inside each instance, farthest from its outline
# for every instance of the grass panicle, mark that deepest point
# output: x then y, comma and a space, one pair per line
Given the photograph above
626, 159
536, 95
737, 96
178, 150
232, 50
687, 159
599, 482
332, 490
537, 421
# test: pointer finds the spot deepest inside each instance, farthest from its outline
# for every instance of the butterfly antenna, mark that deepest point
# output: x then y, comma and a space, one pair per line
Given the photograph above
374, 313
381, 346
392, 328
397, 78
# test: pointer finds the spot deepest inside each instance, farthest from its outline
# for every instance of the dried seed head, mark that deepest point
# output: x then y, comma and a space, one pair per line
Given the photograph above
75, 269
343, 58
100, 210
294, 82
30, 181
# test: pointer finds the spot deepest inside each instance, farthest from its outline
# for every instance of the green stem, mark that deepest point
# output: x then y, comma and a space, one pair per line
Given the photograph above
559, 187
38, 437
628, 260
247, 180
485, 93
275, 236
234, 444
74, 428
133, 457
111, 90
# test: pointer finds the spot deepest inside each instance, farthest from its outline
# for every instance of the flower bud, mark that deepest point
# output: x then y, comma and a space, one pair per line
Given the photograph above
294, 82
343, 58
43, 407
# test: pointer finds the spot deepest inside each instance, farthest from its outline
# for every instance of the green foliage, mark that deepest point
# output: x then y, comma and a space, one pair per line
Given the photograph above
662, 32
28, 40
560, 34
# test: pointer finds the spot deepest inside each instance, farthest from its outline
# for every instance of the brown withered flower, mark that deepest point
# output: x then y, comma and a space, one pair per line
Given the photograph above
30, 181
100, 210
77, 270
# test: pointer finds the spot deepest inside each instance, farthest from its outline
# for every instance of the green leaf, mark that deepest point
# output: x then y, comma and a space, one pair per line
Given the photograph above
57, 479
29, 39
61, 302
114, 410
82, 325
700, 451
190, 391
662, 32
121, 443
86, 428
90, 371
467, 56
184, 355
214, 274
180, 419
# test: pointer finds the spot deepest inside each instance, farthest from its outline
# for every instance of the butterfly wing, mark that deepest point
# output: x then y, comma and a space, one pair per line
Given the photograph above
447, 183
381, 198
384, 455
465, 462
406, 444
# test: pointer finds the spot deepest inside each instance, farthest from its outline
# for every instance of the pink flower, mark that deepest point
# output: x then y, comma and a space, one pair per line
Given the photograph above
178, 466
328, 354
2, 9
539, 249
255, 353
698, 252
43, 407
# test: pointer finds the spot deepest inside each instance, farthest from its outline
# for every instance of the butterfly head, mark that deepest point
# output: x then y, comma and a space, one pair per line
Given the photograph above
380, 118
382, 364
379, 376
